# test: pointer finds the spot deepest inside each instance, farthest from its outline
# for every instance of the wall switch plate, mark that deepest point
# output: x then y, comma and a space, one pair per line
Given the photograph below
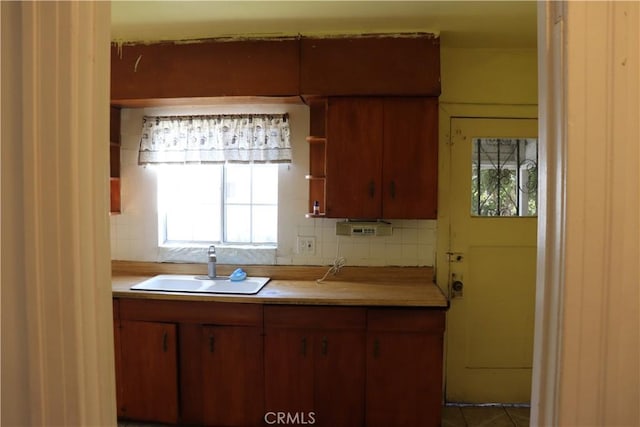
306, 245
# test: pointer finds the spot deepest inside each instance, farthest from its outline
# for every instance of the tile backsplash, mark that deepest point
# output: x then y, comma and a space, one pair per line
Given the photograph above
134, 232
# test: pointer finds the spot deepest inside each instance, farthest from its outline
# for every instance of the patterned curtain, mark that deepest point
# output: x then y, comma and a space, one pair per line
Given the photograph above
239, 138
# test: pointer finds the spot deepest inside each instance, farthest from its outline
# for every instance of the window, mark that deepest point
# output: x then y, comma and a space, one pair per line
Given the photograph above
218, 203
504, 177
217, 176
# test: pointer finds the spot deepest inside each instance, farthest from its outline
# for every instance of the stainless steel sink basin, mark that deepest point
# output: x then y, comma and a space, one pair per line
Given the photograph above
201, 284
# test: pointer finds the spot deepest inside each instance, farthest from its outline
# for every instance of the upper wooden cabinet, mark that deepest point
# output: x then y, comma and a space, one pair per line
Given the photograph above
381, 158
168, 72
370, 65
250, 67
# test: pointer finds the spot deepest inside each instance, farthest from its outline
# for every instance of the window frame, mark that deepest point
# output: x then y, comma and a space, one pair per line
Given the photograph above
162, 212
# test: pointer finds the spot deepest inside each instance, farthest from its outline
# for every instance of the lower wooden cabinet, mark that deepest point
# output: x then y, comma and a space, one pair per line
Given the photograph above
233, 364
314, 364
190, 362
148, 371
232, 380
404, 368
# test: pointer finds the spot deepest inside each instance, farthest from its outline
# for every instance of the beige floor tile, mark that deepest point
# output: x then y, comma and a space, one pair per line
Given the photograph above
520, 416
452, 417
486, 416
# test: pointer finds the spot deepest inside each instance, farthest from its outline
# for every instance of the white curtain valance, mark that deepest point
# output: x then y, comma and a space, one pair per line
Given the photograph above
242, 138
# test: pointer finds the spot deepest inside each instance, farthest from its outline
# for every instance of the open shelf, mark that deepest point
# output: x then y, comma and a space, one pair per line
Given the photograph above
114, 160
317, 155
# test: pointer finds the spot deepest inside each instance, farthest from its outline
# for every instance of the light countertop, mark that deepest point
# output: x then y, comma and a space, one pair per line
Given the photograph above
375, 286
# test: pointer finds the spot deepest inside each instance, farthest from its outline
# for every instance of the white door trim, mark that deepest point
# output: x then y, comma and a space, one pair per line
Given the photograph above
551, 215
587, 346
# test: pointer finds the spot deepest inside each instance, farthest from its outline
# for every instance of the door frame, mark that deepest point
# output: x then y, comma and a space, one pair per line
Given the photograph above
448, 112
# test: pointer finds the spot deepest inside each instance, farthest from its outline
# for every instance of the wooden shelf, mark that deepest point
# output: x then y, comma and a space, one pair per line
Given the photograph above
115, 207
316, 139
312, 215
315, 177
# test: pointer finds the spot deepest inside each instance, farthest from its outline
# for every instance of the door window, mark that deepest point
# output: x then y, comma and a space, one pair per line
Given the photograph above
504, 177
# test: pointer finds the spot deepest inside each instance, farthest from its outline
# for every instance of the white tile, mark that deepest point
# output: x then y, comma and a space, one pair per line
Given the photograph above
409, 236
426, 255
134, 234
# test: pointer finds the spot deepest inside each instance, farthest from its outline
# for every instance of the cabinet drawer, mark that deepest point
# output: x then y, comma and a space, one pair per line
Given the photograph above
315, 317
406, 319
223, 313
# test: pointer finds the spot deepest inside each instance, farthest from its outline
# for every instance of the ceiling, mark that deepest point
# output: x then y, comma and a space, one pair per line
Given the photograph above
499, 24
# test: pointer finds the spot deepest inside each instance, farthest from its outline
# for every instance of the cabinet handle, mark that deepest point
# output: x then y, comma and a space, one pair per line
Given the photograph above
393, 189
304, 346
165, 343
372, 189
376, 348
325, 346
212, 342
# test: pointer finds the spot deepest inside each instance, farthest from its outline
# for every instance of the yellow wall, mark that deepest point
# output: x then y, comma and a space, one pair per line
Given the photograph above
489, 76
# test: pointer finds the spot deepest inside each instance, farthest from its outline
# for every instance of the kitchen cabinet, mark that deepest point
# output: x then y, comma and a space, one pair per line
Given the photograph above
117, 354
190, 362
148, 375
403, 361
152, 74
229, 364
370, 65
314, 363
381, 158
232, 379
147, 74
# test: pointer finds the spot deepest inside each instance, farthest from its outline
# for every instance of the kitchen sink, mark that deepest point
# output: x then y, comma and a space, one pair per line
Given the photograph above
202, 284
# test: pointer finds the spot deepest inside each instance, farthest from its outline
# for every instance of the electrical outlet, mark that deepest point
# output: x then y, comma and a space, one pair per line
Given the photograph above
306, 245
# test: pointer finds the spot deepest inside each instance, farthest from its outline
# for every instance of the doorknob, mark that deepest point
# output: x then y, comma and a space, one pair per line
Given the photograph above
456, 289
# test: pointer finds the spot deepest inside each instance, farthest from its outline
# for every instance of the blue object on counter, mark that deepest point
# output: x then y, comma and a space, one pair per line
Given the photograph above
238, 275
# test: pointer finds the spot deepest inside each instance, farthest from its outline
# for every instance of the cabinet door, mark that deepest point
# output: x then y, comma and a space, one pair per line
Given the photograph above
354, 157
288, 365
149, 371
339, 378
410, 166
370, 65
232, 373
404, 379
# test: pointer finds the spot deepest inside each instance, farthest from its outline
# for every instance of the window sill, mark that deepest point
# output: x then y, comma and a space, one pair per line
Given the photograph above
226, 254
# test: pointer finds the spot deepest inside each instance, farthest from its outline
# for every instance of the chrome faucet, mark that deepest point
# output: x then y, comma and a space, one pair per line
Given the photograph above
212, 262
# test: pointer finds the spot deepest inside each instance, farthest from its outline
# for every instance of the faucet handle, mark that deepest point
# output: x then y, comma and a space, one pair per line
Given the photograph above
212, 250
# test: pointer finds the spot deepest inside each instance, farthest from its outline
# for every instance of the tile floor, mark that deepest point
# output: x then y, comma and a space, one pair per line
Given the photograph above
475, 416
452, 416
